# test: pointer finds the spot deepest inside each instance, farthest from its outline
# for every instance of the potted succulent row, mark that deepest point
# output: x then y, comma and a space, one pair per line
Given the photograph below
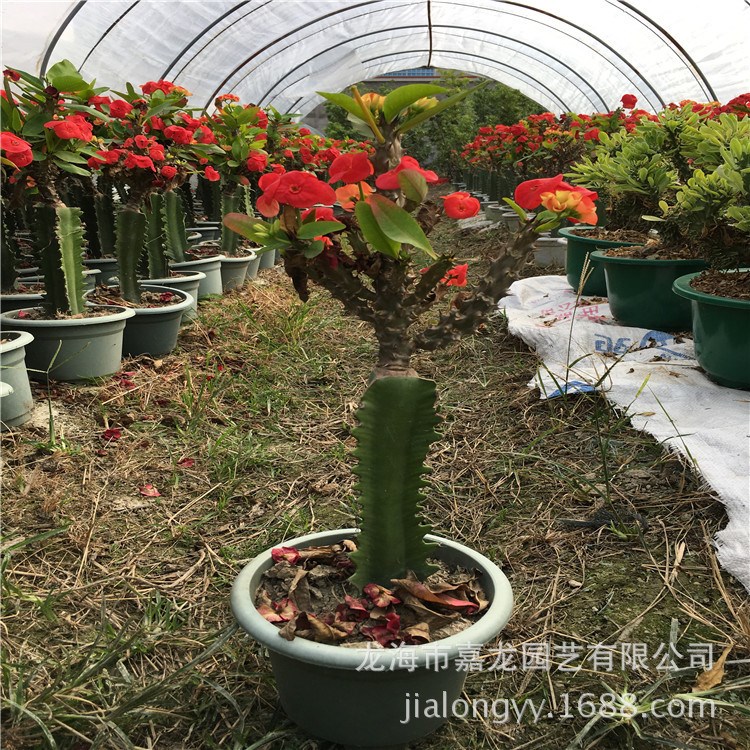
48, 137
373, 255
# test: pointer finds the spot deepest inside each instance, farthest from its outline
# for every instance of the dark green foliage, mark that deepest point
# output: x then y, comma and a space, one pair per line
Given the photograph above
8, 254
397, 422
105, 217
187, 204
158, 266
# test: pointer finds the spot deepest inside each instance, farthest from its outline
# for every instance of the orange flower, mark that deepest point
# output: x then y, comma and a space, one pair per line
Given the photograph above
348, 195
577, 203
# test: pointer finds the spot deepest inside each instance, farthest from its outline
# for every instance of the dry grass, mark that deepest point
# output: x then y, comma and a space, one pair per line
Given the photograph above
109, 594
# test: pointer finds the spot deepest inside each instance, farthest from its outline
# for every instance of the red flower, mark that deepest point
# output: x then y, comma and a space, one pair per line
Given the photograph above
211, 174
141, 141
628, 101
267, 203
178, 135
591, 135
98, 101
389, 180
528, 194
304, 131
156, 123
161, 85
21, 158
322, 213
278, 168
105, 157
289, 554
456, 276
120, 108
350, 168
12, 144
156, 152
577, 203
168, 172
306, 155
73, 126
303, 190
12, 75
257, 162
460, 205
133, 161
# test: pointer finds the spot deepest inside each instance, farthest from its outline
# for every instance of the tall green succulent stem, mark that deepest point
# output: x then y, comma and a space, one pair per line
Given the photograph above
8, 255
158, 265
397, 422
105, 217
230, 203
174, 226
59, 235
131, 233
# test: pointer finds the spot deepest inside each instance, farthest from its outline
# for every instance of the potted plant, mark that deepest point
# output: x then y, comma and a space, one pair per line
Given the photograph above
640, 169
148, 157
50, 134
376, 259
239, 132
714, 209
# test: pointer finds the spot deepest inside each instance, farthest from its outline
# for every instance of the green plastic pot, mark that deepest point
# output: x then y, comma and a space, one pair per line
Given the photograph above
211, 267
187, 282
578, 248
639, 291
267, 258
721, 331
321, 688
234, 270
72, 349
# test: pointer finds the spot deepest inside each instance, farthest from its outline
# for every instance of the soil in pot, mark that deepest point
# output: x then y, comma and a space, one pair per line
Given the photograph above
733, 285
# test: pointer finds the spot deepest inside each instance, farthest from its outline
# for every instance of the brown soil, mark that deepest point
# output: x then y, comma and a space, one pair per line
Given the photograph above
652, 250
199, 252
723, 284
613, 235
36, 288
39, 313
149, 299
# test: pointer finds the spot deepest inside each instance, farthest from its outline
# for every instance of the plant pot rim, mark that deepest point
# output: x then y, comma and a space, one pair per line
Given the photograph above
187, 301
682, 287
118, 313
624, 261
186, 275
20, 338
250, 257
568, 233
192, 263
482, 631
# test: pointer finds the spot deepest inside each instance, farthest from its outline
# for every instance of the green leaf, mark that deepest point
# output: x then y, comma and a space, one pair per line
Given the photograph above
70, 167
404, 96
345, 101
64, 76
398, 225
441, 105
397, 422
413, 185
372, 232
316, 228
313, 249
70, 156
520, 211
249, 227
35, 124
90, 111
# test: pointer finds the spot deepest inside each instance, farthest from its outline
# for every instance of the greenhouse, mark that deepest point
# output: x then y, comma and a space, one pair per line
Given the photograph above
375, 374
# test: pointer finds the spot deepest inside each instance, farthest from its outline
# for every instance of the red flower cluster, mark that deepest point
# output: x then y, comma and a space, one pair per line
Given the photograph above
296, 188
72, 126
460, 205
16, 149
389, 180
558, 196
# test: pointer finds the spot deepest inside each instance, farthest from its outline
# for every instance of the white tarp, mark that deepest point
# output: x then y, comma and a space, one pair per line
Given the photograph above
655, 379
566, 56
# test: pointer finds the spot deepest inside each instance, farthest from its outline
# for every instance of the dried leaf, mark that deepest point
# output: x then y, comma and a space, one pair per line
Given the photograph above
419, 633
186, 463
381, 596
425, 593
713, 676
325, 633
290, 554
148, 490
112, 433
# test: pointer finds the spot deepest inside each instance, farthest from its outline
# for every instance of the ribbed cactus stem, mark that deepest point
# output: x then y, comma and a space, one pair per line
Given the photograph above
158, 265
131, 233
105, 217
397, 422
174, 226
59, 236
230, 203
8, 255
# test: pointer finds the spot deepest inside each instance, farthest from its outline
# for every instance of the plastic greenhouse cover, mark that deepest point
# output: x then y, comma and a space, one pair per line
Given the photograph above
574, 56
